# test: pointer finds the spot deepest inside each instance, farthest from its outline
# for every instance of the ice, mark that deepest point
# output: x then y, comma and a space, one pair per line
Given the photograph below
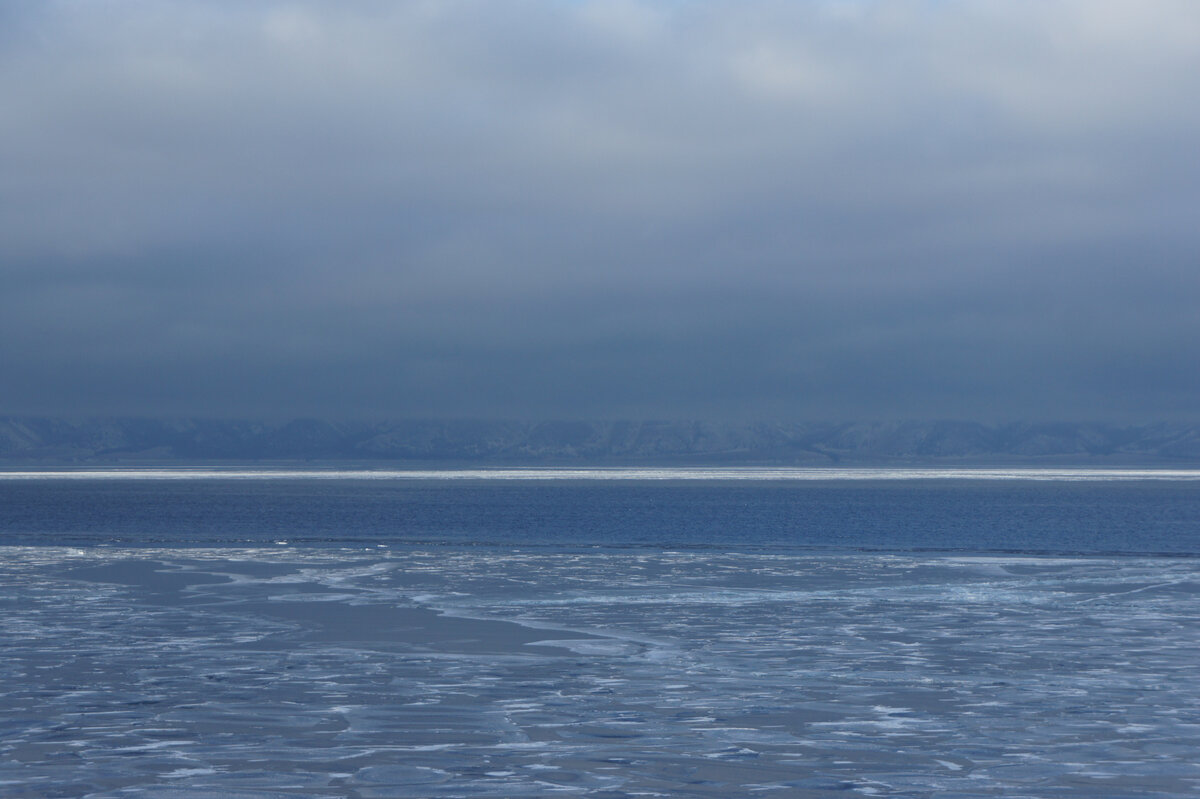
410, 672
625, 474
610, 647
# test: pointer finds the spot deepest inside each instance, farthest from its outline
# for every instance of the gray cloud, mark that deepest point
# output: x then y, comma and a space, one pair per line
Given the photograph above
555, 209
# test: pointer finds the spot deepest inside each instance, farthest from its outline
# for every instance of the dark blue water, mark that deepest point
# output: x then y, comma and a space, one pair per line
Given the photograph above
1113, 517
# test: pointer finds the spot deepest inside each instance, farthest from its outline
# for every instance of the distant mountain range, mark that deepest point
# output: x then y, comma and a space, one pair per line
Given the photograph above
120, 441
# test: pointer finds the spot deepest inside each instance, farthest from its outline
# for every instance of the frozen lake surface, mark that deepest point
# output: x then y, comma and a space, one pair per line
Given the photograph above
606, 669
281, 672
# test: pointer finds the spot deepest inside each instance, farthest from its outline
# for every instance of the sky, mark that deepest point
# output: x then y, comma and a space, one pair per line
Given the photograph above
601, 209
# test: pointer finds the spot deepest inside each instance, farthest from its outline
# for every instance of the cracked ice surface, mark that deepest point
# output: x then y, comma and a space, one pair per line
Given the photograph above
443, 672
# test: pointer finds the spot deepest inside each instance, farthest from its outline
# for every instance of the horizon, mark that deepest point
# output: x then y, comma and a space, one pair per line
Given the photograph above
731, 422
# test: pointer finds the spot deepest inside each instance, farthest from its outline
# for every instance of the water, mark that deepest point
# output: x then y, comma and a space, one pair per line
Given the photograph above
364, 636
1062, 511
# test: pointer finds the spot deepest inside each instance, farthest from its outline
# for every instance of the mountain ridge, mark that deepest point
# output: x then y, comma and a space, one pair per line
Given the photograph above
129, 441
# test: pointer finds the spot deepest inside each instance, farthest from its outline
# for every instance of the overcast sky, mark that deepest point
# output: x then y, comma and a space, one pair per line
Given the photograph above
601, 209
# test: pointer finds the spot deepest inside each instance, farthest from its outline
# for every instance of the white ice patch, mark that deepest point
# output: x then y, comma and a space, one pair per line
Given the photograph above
347, 598
184, 773
583, 646
695, 473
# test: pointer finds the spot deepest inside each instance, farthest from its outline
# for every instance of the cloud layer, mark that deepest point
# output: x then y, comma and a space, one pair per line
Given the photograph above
601, 209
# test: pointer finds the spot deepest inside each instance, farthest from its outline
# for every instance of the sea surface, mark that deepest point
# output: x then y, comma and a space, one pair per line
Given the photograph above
600, 633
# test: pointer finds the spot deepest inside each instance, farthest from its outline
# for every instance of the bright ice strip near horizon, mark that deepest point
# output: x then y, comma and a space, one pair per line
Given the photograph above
601, 474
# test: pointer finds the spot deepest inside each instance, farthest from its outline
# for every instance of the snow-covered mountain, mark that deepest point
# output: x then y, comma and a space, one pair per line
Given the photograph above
117, 441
